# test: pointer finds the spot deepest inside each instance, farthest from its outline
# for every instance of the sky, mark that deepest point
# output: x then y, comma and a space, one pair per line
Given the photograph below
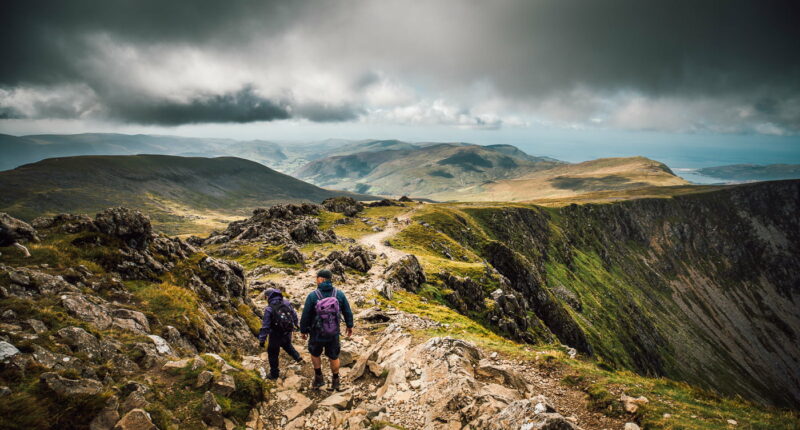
551, 76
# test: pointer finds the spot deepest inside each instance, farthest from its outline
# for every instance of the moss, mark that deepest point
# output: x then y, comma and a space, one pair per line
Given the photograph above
253, 322
171, 304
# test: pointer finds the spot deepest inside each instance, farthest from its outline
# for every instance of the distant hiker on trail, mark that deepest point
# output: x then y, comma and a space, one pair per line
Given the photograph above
12, 231
280, 320
321, 314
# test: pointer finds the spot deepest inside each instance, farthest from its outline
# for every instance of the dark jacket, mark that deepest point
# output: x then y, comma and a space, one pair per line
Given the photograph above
274, 297
310, 312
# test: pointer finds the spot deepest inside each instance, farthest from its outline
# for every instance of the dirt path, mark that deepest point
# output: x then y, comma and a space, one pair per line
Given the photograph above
393, 227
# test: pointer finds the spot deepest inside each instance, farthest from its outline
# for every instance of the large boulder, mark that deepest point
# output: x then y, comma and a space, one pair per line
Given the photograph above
344, 205
292, 255
66, 223
357, 257
225, 277
211, 411
132, 226
15, 230
405, 273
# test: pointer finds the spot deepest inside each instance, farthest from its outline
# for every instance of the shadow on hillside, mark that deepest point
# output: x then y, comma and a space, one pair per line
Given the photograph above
611, 182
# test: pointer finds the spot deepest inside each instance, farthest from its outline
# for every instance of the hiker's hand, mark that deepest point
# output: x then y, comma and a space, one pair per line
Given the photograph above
349, 332
304, 335
261, 344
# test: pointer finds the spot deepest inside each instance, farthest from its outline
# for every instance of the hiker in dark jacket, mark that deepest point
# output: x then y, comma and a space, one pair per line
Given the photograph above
324, 334
280, 320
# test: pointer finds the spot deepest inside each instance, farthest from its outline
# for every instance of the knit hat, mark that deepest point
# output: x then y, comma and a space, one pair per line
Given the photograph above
325, 273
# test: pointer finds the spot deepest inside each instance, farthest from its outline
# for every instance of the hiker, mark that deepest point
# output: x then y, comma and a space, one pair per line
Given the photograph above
280, 320
12, 231
321, 314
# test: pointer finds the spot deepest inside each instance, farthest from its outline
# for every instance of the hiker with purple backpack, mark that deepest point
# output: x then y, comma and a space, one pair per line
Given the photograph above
279, 321
322, 312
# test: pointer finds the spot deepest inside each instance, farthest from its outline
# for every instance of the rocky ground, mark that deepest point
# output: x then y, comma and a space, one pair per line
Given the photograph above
111, 326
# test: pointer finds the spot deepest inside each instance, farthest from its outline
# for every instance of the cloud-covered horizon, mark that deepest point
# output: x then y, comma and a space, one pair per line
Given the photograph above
677, 66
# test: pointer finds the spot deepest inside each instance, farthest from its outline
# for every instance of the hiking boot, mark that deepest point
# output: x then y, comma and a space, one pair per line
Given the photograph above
272, 377
336, 384
319, 381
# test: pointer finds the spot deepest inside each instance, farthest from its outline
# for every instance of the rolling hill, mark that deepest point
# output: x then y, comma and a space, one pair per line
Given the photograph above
29, 149
180, 193
569, 180
423, 170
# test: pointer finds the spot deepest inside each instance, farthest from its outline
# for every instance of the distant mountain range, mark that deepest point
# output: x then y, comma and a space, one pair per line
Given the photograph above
423, 170
178, 192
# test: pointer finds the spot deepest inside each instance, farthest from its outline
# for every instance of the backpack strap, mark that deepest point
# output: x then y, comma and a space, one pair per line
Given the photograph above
319, 294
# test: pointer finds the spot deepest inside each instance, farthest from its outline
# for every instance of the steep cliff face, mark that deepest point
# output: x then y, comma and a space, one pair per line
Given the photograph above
703, 287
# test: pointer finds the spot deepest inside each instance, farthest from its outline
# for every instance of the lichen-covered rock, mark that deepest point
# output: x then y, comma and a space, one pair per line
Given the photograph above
211, 411
292, 255
357, 257
15, 230
87, 308
406, 273
137, 419
66, 223
226, 278
66, 387
132, 226
344, 205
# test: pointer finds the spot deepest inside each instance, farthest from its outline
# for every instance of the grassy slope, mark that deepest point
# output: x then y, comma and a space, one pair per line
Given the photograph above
609, 294
180, 193
564, 181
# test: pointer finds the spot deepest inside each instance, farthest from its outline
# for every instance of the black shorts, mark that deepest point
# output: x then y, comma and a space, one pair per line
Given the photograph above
332, 347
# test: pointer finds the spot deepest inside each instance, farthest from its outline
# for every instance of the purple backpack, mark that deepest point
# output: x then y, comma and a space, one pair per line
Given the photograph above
327, 314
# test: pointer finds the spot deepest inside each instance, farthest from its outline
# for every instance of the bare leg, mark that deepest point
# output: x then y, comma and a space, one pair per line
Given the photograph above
316, 361
335, 366
22, 248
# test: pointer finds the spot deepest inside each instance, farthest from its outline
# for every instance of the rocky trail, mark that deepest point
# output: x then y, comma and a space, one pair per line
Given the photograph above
392, 379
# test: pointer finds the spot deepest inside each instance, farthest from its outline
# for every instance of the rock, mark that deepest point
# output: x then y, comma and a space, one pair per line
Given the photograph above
386, 289
84, 342
503, 375
357, 257
341, 400
136, 397
130, 320
405, 199
14, 230
224, 385
631, 426
632, 404
226, 278
375, 368
301, 405
733, 422
132, 226
107, 417
195, 362
37, 326
211, 411
162, 347
542, 404
65, 387
406, 273
7, 350
84, 309
346, 358
344, 205
137, 419
204, 378
373, 315
521, 415
4, 391
292, 255
67, 223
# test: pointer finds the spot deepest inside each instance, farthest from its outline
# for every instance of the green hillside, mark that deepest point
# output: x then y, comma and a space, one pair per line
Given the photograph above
181, 193
700, 287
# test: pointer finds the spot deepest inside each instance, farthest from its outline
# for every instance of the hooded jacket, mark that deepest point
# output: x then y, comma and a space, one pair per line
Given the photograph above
274, 297
310, 312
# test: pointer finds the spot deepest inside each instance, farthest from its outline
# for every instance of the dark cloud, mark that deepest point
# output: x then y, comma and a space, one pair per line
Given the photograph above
735, 51
238, 107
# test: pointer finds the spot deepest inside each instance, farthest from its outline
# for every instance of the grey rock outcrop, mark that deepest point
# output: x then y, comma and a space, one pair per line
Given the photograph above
406, 273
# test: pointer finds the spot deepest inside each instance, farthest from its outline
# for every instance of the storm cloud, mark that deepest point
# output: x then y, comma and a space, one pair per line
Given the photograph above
723, 66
